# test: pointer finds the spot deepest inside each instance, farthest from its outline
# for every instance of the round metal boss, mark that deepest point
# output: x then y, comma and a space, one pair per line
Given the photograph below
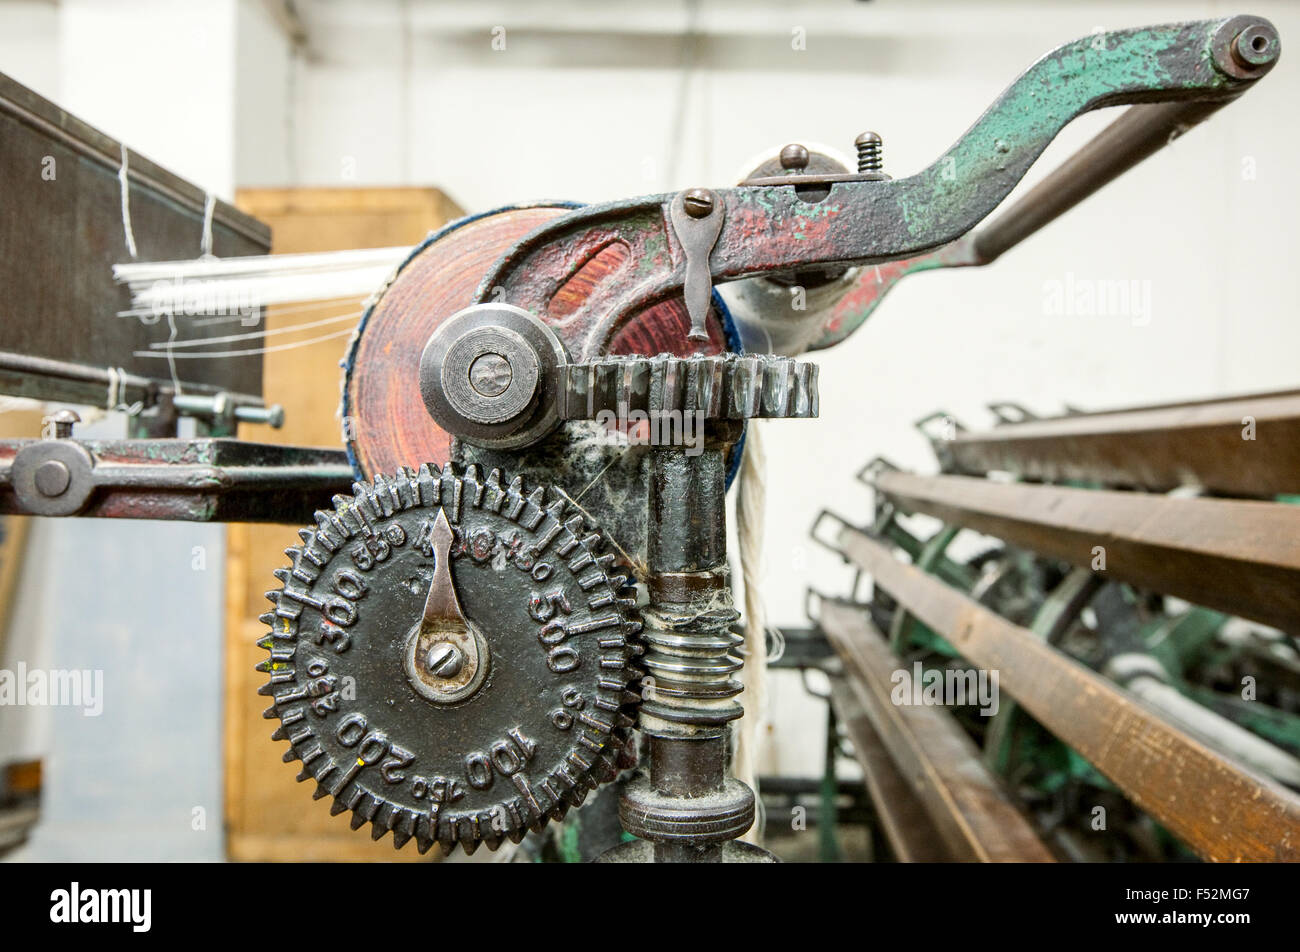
487, 375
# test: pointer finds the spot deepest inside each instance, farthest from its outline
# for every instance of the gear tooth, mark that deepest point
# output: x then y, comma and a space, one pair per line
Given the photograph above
430, 470
273, 595
308, 537
423, 843
493, 842
631, 697
271, 712
400, 838
358, 820
304, 775
266, 690
279, 733
282, 575
320, 792
377, 830
263, 666
623, 720
340, 502
294, 553
516, 836
265, 642
445, 847
469, 845
267, 618
337, 807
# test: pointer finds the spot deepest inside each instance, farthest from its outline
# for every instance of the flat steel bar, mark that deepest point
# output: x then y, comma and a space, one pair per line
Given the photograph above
966, 803
205, 480
1239, 556
910, 832
1214, 805
1240, 446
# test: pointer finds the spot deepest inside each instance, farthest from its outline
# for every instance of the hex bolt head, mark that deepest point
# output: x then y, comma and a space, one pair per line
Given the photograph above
698, 202
444, 660
52, 478
794, 157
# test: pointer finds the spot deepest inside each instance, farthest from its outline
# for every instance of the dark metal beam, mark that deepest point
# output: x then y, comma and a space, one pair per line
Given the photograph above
1214, 805
209, 480
1242, 446
911, 833
1239, 556
941, 766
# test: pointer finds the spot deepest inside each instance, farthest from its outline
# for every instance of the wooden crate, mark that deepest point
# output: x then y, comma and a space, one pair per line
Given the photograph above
269, 816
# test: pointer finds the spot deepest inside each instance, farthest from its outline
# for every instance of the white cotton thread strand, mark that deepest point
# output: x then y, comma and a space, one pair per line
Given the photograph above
125, 182
205, 243
750, 512
226, 285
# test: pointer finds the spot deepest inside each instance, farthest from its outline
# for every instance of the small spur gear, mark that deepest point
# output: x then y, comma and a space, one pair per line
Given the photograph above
451, 657
722, 386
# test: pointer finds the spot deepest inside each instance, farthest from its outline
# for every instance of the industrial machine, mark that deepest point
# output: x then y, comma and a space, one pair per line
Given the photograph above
513, 581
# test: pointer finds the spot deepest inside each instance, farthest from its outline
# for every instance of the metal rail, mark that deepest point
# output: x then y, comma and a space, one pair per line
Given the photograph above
1213, 804
1239, 556
1242, 446
908, 828
941, 766
210, 480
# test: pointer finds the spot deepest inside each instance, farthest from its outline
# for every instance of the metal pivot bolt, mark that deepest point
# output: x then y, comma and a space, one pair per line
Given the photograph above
870, 157
698, 202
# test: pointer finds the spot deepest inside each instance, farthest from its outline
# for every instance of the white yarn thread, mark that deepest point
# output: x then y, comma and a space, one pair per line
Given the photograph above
205, 243
116, 401
125, 182
750, 513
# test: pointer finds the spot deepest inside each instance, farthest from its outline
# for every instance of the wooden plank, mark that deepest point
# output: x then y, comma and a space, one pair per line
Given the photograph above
268, 815
1217, 807
1239, 556
908, 828
938, 762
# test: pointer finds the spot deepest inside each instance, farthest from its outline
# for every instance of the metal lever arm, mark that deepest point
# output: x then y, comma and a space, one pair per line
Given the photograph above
768, 228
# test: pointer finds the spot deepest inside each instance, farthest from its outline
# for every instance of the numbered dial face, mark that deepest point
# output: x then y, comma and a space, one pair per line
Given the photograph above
450, 657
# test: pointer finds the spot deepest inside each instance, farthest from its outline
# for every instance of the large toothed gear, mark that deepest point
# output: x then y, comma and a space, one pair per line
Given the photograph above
719, 387
451, 657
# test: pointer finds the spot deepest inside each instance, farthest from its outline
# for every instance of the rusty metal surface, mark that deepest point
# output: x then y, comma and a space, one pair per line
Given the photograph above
1212, 444
908, 828
1217, 807
1239, 556
61, 233
389, 424
941, 765
210, 480
775, 228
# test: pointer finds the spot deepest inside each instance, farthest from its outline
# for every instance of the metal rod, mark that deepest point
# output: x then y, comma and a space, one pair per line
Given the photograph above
966, 802
1214, 805
1139, 132
1243, 446
1239, 556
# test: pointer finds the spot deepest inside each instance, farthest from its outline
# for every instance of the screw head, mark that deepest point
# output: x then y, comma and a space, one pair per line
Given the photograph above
63, 420
444, 660
866, 139
52, 478
698, 202
794, 157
